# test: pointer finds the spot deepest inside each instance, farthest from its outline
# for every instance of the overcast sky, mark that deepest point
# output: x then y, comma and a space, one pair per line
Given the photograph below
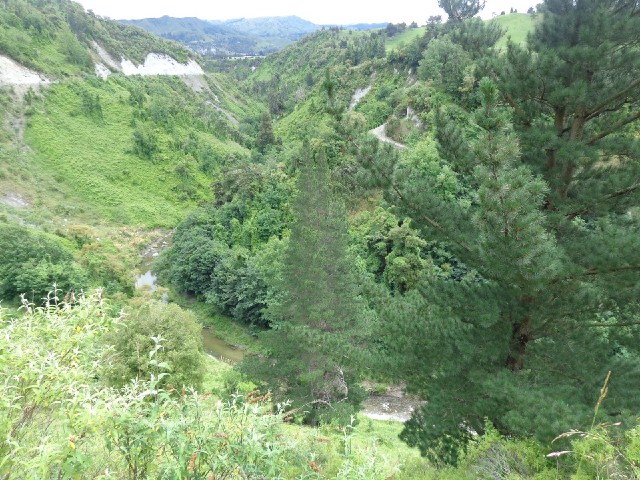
340, 12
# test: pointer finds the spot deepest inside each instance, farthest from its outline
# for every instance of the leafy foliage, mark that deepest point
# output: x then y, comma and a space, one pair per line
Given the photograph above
459, 10
495, 256
31, 262
152, 142
58, 421
226, 252
539, 230
163, 333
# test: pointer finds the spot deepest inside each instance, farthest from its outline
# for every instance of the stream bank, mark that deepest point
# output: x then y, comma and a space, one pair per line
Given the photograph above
391, 405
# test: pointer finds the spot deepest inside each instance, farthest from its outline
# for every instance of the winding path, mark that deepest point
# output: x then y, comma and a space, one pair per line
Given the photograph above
381, 135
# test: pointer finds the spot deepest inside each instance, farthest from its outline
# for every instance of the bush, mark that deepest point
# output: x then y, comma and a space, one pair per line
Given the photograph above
32, 261
174, 337
58, 421
37, 278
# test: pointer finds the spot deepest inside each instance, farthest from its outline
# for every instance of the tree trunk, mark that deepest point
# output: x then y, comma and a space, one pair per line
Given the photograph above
519, 340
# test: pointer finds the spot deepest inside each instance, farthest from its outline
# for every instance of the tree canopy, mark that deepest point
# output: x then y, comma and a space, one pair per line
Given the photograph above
459, 10
545, 216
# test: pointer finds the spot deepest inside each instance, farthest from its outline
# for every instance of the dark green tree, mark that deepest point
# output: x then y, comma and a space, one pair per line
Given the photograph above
549, 235
459, 10
526, 339
444, 62
31, 262
313, 359
265, 133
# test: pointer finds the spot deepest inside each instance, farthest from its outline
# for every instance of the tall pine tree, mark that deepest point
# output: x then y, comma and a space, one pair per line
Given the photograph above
313, 357
551, 233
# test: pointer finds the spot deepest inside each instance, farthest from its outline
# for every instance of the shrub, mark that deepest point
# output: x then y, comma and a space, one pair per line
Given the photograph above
58, 421
165, 329
39, 277
32, 261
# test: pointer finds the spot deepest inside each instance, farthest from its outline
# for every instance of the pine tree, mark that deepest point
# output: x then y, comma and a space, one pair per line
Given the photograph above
265, 133
459, 10
551, 305
313, 359
549, 235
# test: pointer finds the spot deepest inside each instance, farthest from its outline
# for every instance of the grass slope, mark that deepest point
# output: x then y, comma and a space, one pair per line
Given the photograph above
57, 38
403, 38
517, 26
93, 163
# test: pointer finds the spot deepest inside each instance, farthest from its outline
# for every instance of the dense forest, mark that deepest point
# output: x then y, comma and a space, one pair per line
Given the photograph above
449, 211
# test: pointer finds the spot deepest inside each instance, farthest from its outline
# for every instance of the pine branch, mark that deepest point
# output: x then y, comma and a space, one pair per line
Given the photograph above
604, 324
594, 271
612, 271
613, 128
609, 196
598, 109
408, 204
516, 108
624, 191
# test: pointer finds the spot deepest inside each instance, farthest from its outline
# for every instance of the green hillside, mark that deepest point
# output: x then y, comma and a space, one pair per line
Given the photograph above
124, 150
236, 37
57, 38
407, 36
357, 258
517, 26
202, 36
96, 159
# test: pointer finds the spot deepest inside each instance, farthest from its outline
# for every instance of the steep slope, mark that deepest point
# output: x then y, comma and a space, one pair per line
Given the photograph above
59, 38
138, 149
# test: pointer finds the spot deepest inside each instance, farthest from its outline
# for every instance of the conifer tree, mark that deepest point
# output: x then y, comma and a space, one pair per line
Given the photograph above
313, 359
265, 133
459, 10
550, 236
526, 340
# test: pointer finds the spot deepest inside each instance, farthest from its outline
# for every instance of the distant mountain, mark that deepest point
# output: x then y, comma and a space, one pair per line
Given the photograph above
290, 28
366, 26
236, 37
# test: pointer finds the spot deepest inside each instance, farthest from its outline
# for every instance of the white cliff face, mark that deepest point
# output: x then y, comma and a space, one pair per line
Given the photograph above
12, 73
102, 71
154, 64
107, 59
157, 64
357, 96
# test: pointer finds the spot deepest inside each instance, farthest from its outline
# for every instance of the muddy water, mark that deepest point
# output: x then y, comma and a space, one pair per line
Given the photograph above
147, 279
217, 348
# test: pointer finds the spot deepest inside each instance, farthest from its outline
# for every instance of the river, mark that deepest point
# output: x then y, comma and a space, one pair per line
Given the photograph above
219, 349
392, 405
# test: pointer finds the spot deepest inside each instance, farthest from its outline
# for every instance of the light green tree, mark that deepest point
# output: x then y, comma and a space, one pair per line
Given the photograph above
459, 10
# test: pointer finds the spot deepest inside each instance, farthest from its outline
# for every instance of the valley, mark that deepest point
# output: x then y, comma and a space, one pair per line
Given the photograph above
387, 251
